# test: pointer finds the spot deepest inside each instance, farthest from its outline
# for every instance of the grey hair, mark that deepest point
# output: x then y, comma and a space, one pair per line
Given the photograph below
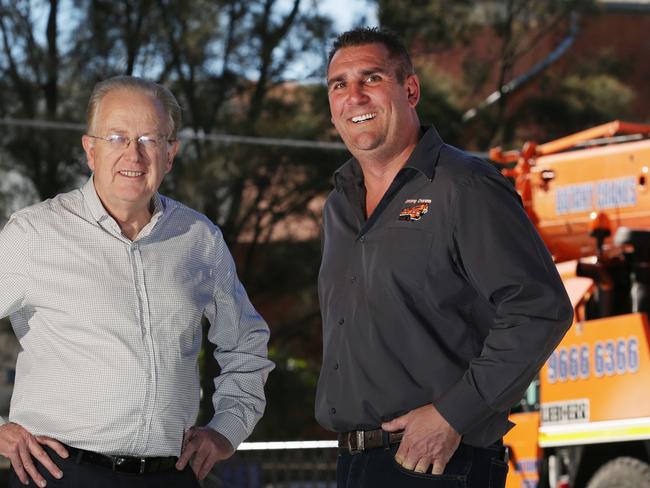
133, 83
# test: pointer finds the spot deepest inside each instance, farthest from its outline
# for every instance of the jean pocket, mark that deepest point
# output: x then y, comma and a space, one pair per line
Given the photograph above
456, 470
498, 473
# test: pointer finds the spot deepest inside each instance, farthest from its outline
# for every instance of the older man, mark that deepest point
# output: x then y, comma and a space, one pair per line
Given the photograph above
439, 300
106, 287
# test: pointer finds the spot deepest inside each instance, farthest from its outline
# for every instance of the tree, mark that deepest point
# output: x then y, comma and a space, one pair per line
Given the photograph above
32, 87
571, 104
493, 39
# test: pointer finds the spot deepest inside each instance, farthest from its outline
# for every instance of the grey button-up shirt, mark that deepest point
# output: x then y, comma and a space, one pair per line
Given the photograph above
110, 328
445, 295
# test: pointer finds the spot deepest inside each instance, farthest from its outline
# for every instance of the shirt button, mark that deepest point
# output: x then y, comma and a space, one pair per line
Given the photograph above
341, 321
353, 279
332, 410
362, 238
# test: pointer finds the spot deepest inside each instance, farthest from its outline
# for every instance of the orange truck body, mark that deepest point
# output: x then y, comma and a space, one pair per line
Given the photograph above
591, 403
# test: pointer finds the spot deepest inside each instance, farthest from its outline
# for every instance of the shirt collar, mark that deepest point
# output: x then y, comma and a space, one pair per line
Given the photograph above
424, 159
93, 202
100, 213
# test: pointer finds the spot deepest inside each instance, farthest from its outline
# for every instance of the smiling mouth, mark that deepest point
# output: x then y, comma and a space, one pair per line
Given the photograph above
131, 174
362, 118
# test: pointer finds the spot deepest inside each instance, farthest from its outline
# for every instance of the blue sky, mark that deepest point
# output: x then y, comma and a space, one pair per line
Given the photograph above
347, 13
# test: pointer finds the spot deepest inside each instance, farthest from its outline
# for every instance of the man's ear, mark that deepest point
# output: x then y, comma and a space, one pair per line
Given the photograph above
171, 154
89, 148
412, 85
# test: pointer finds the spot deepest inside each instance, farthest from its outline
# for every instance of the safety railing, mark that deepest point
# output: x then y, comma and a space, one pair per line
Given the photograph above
300, 464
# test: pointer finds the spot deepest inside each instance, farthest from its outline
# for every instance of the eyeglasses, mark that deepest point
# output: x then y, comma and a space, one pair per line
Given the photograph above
119, 142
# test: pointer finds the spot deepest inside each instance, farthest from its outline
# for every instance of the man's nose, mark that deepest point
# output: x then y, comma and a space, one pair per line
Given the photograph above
357, 93
132, 150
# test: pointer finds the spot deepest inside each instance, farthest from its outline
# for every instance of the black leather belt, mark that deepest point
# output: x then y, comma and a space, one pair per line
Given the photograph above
357, 441
123, 464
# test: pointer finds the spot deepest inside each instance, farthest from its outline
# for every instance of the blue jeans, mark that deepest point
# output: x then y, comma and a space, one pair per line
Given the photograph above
469, 467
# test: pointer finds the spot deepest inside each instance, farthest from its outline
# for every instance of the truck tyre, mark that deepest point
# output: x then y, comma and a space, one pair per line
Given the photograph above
622, 472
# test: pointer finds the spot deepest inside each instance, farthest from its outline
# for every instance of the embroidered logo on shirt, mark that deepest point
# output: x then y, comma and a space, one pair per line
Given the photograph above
415, 209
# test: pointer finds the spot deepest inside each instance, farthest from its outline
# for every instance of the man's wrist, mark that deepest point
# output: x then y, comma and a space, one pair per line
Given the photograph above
462, 407
230, 427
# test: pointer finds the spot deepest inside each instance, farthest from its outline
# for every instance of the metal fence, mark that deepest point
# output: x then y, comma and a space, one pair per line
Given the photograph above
306, 464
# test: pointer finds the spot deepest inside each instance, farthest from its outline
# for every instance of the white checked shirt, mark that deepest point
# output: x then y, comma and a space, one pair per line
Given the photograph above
110, 328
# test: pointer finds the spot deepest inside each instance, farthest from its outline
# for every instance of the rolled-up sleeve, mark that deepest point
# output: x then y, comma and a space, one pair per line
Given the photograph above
501, 254
241, 336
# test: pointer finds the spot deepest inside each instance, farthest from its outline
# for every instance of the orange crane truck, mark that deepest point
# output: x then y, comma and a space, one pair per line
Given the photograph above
585, 422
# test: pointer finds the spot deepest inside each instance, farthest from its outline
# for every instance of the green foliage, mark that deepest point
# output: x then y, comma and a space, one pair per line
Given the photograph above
488, 39
290, 401
292, 304
574, 103
426, 22
597, 98
31, 88
440, 102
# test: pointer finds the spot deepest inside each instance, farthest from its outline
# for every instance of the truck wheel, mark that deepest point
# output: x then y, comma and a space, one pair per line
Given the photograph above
622, 472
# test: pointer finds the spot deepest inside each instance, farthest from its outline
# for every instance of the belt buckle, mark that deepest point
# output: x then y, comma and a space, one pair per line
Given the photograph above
359, 443
143, 464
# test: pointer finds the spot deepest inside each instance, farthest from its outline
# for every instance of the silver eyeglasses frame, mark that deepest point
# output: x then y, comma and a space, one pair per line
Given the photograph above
121, 142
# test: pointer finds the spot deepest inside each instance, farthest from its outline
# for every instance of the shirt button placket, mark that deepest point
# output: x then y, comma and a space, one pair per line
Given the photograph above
145, 325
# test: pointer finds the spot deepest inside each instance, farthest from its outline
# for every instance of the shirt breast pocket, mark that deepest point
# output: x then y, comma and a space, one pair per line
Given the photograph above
404, 253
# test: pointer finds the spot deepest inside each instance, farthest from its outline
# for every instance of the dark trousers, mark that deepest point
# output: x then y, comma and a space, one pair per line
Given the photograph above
87, 475
469, 467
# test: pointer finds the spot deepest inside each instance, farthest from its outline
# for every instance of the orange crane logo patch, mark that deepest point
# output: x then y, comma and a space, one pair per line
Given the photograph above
415, 209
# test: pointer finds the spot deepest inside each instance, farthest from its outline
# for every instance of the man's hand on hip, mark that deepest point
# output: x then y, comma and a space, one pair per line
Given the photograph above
21, 447
207, 446
428, 439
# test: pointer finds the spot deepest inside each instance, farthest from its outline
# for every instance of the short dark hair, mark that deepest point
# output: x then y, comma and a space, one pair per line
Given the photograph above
373, 35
